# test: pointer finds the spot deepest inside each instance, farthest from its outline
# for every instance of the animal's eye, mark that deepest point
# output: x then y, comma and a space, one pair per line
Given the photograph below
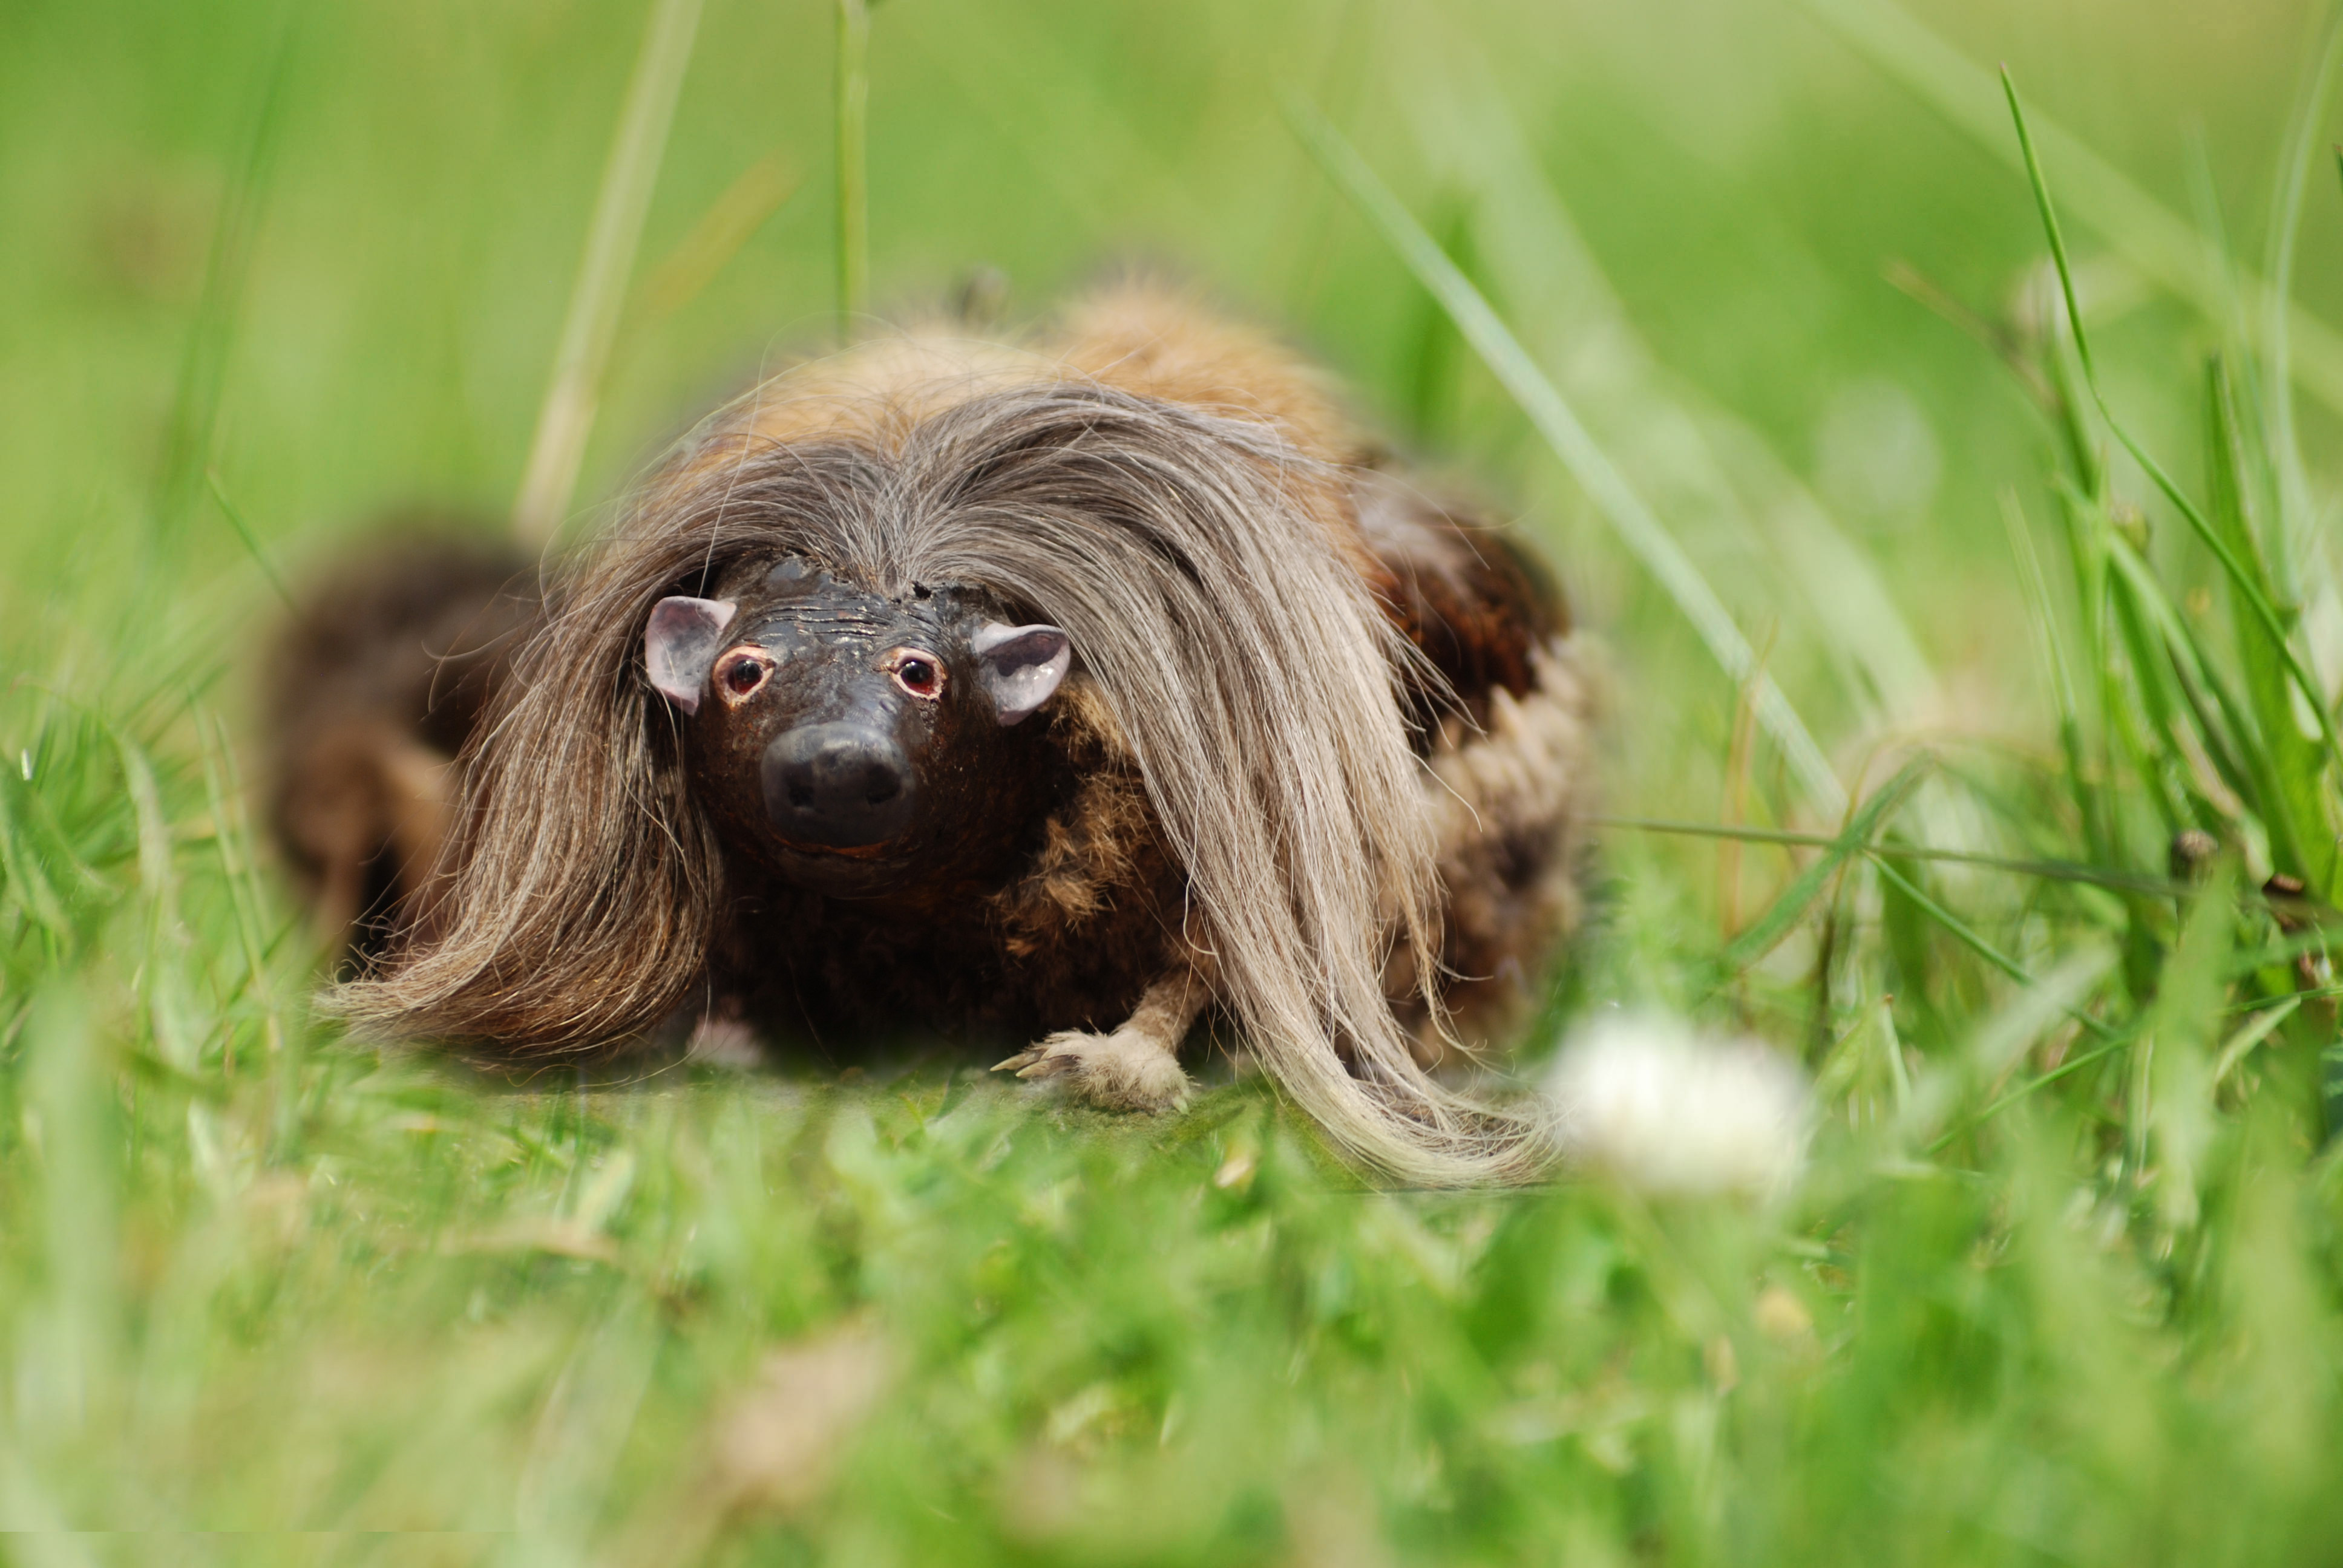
741, 672
920, 674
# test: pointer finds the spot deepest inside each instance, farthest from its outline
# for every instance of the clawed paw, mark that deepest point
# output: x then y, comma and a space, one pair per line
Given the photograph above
724, 1043
1129, 1069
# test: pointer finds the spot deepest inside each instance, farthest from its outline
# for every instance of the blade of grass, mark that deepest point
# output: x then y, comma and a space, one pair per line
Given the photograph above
2051, 653
853, 165
2091, 539
21, 875
1891, 1050
1715, 464
1996, 1046
2225, 729
2330, 1092
1968, 936
1791, 904
2086, 561
2049, 870
203, 370
167, 1009
731, 220
244, 531
224, 793
2278, 337
2289, 949
2142, 229
591, 323
2242, 1042
1630, 519
2048, 650
2294, 809
2174, 1041
2158, 704
2072, 1064
2240, 582
2143, 591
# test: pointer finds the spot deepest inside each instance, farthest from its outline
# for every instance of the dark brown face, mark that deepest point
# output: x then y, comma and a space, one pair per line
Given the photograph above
858, 745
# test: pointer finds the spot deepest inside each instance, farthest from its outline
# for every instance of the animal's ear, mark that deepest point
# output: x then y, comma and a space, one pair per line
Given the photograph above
1020, 666
680, 643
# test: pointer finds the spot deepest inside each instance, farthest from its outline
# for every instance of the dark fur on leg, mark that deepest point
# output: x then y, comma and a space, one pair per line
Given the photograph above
368, 695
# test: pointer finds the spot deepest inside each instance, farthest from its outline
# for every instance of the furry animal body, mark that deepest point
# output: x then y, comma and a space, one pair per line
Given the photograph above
370, 694
1063, 693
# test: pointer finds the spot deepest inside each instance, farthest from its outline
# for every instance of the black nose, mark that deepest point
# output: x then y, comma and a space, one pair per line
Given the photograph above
845, 786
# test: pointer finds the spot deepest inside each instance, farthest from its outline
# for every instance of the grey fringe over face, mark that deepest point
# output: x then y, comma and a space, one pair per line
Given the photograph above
1223, 619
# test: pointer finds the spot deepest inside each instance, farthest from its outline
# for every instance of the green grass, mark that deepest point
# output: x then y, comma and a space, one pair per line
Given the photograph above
1933, 625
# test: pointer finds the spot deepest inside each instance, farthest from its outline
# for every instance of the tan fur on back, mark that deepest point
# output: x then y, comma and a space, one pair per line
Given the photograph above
1156, 345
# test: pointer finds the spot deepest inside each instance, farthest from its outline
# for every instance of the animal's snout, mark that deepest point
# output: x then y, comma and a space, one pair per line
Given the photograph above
840, 786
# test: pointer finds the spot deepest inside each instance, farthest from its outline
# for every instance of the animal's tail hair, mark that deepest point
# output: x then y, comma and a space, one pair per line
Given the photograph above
1204, 570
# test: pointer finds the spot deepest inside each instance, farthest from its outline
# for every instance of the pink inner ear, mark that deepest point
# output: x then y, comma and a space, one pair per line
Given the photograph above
681, 642
1020, 666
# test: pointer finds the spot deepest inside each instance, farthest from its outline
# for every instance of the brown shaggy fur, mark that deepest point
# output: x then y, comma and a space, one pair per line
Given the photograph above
367, 697
1325, 739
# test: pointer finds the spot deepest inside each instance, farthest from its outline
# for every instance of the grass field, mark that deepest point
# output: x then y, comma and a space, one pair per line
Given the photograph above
2016, 688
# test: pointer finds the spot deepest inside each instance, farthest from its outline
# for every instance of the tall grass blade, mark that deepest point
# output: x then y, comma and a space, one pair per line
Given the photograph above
1713, 462
731, 220
2048, 871
1996, 1046
1790, 906
2293, 185
1967, 934
2180, 1033
244, 530
2240, 1045
2220, 744
2241, 583
853, 108
2141, 229
2330, 1088
2066, 1069
1614, 496
169, 1013
2051, 654
591, 324
2153, 746
203, 371
22, 878
224, 793
2291, 759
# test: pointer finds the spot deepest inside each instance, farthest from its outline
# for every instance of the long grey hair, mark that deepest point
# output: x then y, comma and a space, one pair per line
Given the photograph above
1210, 575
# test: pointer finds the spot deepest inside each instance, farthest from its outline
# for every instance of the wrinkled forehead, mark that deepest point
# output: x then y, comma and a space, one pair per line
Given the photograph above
795, 602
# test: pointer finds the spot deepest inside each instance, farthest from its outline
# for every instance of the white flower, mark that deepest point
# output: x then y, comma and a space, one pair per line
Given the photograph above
1666, 1110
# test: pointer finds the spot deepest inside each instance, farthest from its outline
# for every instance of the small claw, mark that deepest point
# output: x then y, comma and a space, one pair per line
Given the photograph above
1025, 1057
1051, 1066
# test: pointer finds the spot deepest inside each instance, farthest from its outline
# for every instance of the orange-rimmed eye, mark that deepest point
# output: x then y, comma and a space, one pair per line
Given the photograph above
740, 672
921, 674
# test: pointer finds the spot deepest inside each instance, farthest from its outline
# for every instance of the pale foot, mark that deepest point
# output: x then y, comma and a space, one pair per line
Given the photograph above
1129, 1069
725, 1043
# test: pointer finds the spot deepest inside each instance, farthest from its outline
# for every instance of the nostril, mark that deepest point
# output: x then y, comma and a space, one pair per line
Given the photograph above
838, 784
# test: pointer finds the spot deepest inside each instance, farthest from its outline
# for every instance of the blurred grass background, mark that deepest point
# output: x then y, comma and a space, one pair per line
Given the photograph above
2053, 1289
